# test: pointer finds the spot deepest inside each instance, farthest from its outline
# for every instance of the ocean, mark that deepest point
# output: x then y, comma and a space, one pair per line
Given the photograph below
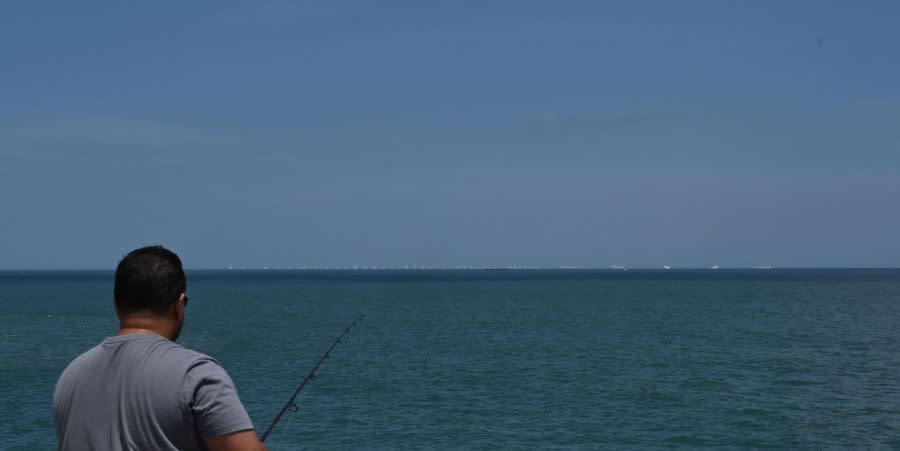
479, 359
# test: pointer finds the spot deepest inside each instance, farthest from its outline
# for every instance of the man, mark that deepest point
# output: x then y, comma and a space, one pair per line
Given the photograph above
139, 390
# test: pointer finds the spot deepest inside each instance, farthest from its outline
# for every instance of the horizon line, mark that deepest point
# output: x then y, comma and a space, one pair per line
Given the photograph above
469, 268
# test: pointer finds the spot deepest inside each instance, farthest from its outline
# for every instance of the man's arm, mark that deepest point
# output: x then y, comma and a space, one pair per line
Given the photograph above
238, 441
219, 416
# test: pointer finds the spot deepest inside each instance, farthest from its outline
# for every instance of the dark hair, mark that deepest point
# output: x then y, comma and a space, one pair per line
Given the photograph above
149, 279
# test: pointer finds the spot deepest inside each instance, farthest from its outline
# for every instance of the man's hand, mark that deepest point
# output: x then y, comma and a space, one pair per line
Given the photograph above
238, 441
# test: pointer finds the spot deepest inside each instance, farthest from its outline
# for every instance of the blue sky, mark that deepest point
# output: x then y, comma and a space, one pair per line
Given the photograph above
451, 133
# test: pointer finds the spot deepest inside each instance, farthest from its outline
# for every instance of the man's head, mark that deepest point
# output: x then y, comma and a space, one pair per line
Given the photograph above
150, 285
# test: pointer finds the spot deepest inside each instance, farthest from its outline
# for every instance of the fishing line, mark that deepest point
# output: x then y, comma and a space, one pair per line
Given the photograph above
291, 412
355, 397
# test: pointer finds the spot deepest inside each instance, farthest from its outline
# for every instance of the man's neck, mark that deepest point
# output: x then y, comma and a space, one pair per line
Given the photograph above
144, 325
137, 330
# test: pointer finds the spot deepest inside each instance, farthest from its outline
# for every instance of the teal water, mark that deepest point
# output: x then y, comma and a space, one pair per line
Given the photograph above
507, 359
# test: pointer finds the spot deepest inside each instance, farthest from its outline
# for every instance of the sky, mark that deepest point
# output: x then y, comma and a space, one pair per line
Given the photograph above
585, 133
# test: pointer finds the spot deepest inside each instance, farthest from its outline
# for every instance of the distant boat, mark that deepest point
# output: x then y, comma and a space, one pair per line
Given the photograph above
714, 267
764, 267
619, 267
667, 267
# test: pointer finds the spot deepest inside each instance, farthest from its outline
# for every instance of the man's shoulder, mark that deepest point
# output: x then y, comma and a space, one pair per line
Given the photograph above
188, 355
198, 360
181, 358
189, 360
84, 360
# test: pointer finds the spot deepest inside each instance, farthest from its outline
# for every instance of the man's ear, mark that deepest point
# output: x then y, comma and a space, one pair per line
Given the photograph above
179, 307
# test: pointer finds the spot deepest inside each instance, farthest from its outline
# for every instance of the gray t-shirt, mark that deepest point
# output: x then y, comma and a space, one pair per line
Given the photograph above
142, 392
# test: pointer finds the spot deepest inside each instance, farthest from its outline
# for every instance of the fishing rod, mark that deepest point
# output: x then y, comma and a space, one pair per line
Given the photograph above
291, 405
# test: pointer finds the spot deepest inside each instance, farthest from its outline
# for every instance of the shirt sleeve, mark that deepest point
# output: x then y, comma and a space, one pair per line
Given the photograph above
213, 401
